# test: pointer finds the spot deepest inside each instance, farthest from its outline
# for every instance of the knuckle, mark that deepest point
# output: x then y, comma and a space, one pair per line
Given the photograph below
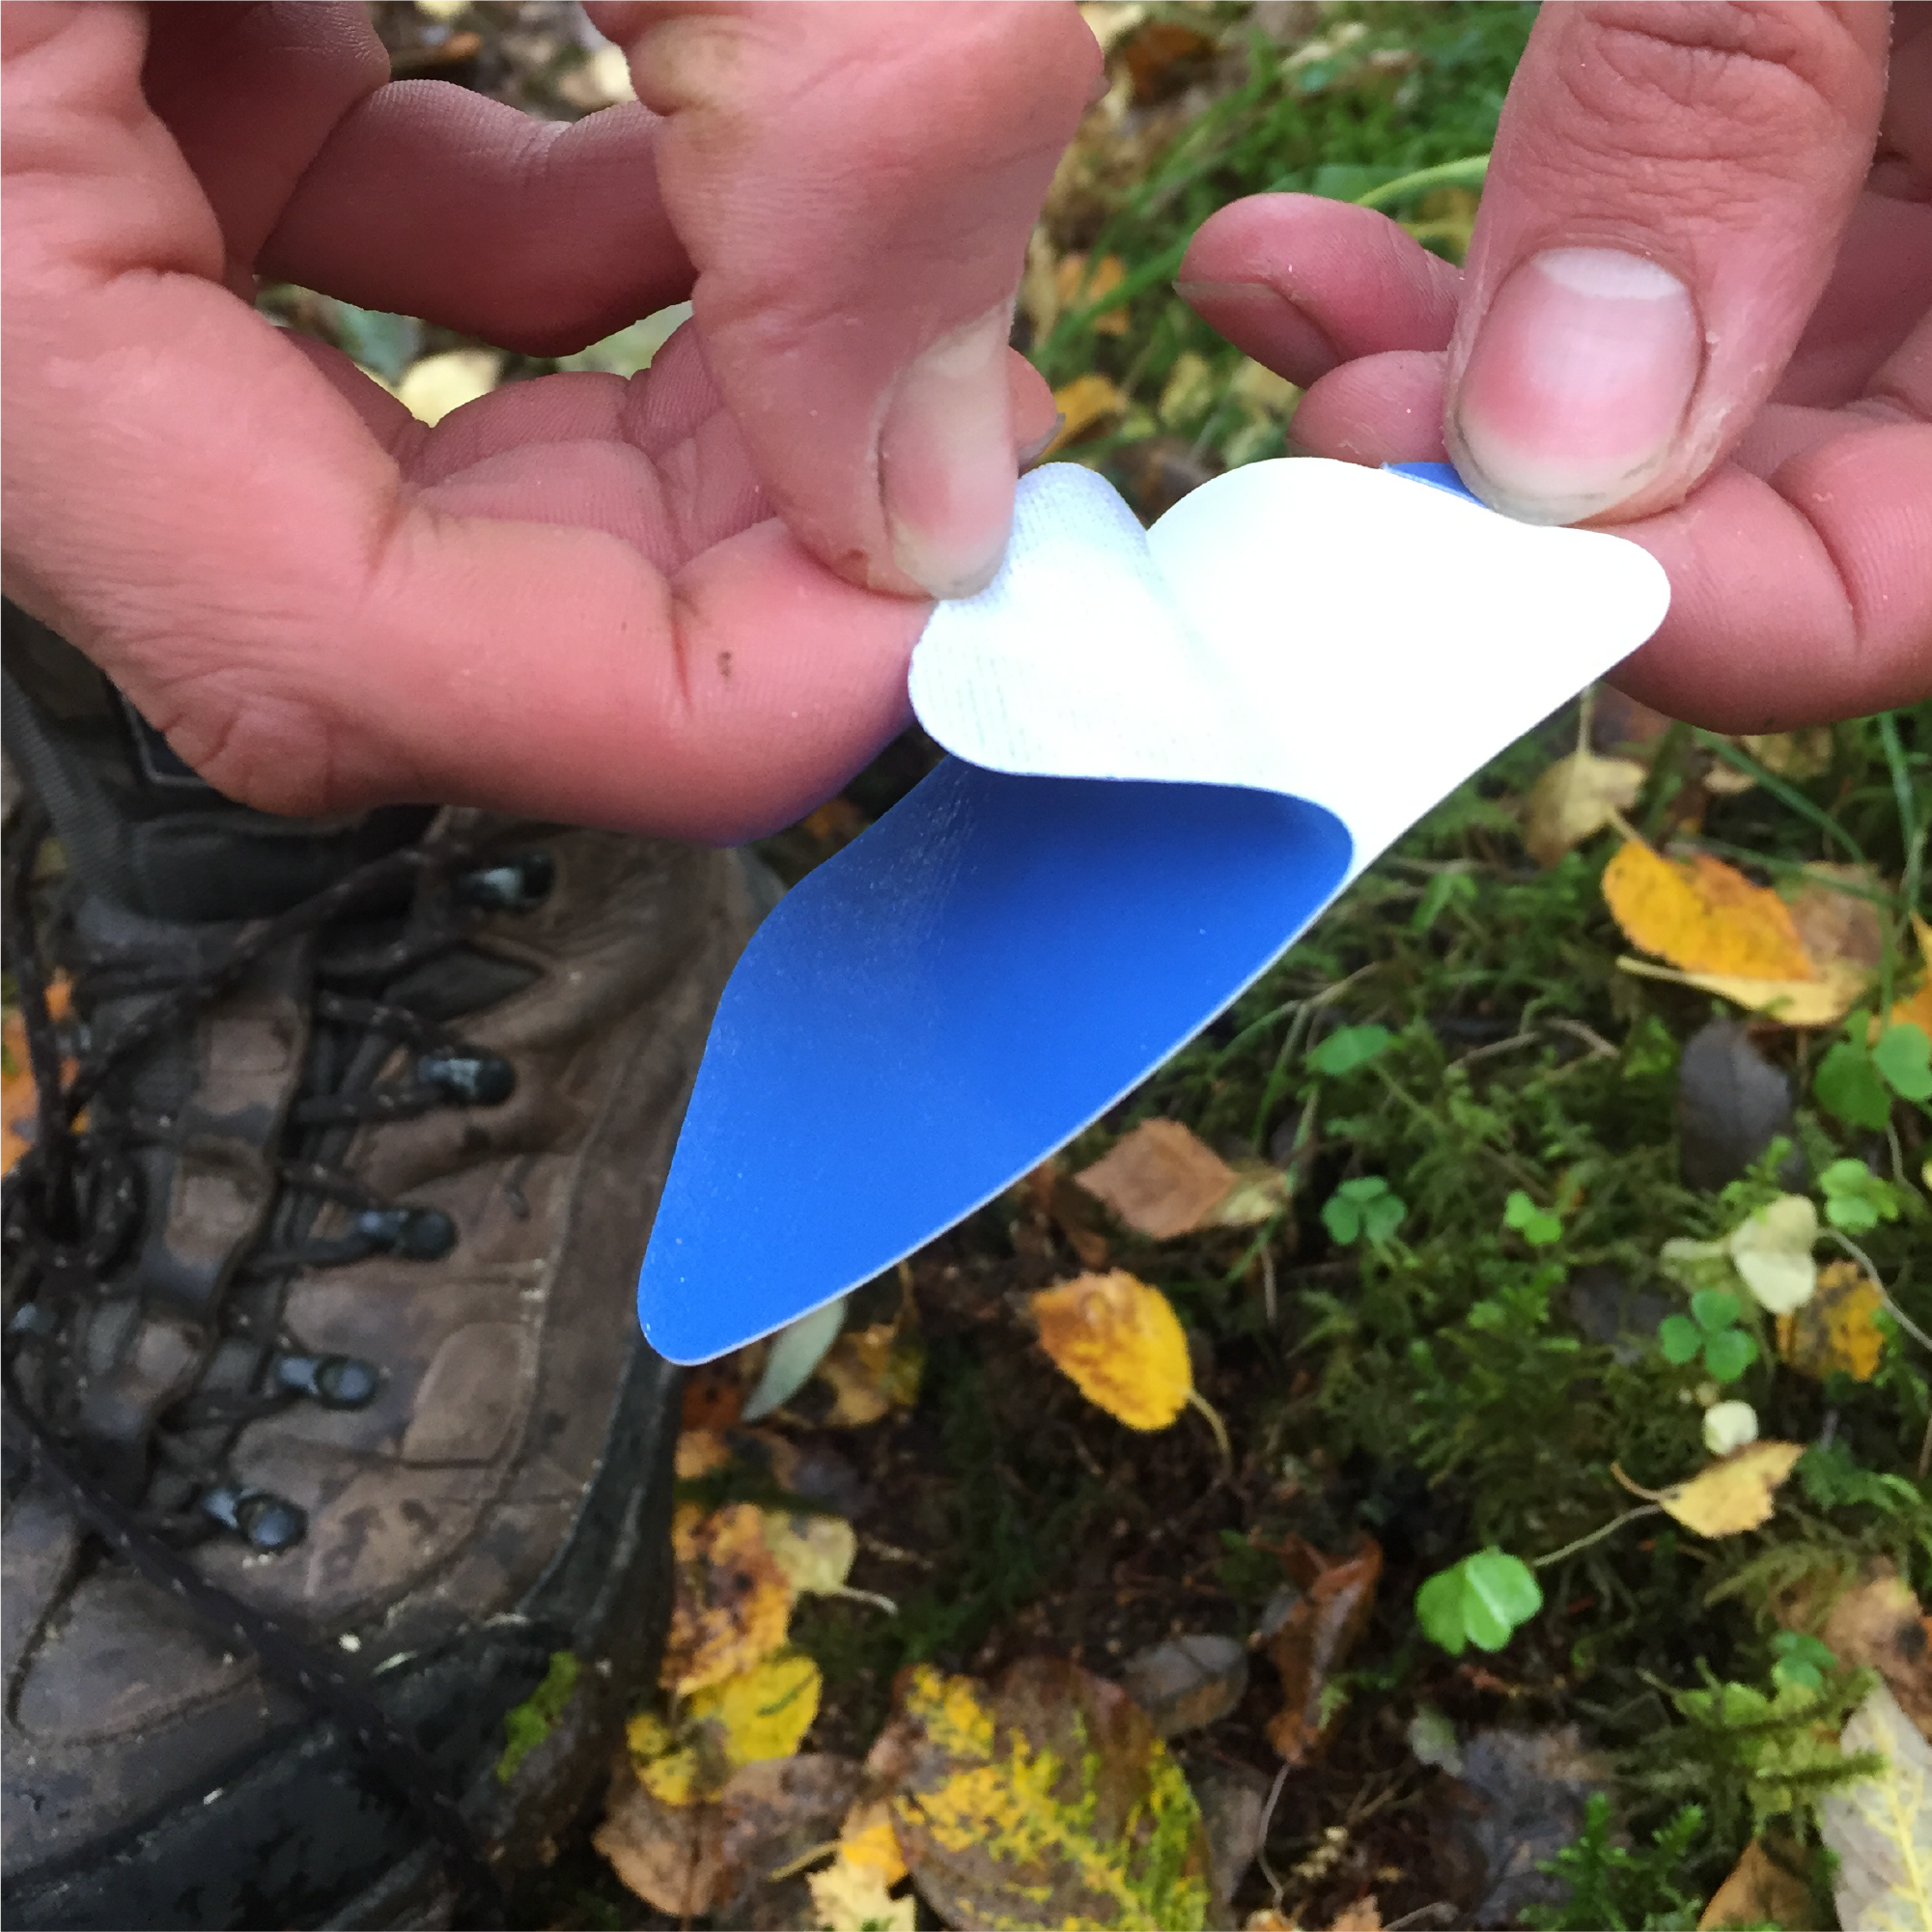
1759, 84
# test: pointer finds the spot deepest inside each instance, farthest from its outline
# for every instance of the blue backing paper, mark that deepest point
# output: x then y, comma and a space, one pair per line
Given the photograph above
941, 1004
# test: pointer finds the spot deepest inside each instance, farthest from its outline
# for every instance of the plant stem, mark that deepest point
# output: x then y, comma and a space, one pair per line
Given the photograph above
1468, 173
1863, 1260
1199, 1401
1596, 1536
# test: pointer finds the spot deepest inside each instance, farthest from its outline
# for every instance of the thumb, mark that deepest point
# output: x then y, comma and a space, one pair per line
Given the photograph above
1671, 182
856, 184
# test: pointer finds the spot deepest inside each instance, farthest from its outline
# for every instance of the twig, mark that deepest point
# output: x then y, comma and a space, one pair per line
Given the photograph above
1588, 1035
1270, 1307
1596, 1536
1275, 1882
1197, 1400
1863, 1260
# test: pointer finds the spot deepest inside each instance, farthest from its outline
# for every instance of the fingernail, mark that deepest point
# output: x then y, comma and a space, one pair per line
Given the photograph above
1029, 454
1264, 322
945, 459
1577, 384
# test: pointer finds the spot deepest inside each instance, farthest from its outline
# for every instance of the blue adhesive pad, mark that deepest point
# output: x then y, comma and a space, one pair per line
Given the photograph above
935, 1009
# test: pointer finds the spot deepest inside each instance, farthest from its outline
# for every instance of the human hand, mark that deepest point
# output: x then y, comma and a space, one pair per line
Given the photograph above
682, 604
1698, 308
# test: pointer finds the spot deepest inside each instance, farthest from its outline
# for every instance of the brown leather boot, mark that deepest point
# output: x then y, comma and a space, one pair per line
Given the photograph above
330, 1433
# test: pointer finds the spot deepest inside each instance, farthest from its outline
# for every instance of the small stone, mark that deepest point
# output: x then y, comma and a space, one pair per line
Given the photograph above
1188, 1682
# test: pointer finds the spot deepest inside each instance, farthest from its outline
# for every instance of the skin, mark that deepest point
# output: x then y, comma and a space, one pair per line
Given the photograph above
1769, 159
680, 604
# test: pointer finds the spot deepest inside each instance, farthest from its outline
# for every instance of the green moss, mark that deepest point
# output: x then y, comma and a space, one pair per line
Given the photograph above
533, 1720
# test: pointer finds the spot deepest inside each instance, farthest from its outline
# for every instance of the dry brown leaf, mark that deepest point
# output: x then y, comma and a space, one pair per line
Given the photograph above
1088, 403
1731, 1495
1836, 923
1075, 289
1836, 1330
19, 1098
1314, 1640
1759, 1892
1161, 1179
1121, 1344
1575, 800
1796, 755
732, 1601
701, 1452
1881, 1827
1880, 1625
692, 1859
1703, 916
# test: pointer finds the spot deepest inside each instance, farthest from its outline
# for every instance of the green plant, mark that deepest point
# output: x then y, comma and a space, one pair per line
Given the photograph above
1620, 1886
1710, 1331
1483, 1600
1348, 1047
1803, 1661
1363, 1209
1859, 1081
1855, 1199
1538, 1226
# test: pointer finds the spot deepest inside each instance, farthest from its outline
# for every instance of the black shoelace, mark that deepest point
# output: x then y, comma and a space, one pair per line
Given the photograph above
71, 1204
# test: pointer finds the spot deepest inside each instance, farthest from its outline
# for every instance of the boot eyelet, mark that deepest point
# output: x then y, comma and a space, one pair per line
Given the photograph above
472, 1079
332, 1380
415, 1233
517, 882
266, 1522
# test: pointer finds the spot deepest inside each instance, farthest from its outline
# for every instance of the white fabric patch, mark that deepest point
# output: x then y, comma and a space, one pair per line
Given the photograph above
1351, 637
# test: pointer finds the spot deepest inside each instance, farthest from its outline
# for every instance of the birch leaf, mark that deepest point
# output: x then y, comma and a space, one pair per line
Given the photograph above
1121, 1344
1703, 916
1731, 1495
1881, 1827
1047, 1801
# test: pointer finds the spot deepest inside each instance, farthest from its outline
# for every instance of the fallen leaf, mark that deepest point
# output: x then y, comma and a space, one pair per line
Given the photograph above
1881, 1827
874, 1370
432, 388
1796, 755
1820, 1001
1519, 1801
713, 1858
19, 1097
1917, 1009
1121, 1344
1732, 1104
868, 1837
847, 1897
816, 1553
1313, 1640
761, 1713
793, 1357
701, 1452
1731, 1495
1234, 1807
1189, 391
1362, 1915
1047, 1801
714, 1395
1161, 56
602, 81
1259, 388
1771, 1250
1759, 1892
1703, 916
732, 1601
1161, 1180
1186, 1682
1836, 1330
1075, 288
1575, 800
1837, 919
1088, 403
1880, 1625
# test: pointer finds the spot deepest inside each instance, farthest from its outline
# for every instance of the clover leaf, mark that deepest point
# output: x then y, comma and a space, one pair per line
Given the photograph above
1363, 1207
1483, 1600
1708, 1331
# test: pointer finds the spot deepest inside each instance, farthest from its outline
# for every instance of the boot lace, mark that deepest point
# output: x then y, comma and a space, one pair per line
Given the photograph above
72, 1205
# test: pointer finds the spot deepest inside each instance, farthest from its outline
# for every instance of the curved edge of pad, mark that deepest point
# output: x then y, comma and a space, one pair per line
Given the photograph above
871, 1076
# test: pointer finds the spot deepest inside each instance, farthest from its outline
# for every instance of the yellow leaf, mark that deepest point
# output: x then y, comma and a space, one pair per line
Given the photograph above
874, 1371
1881, 1827
816, 1553
867, 1838
432, 388
1836, 911
1161, 1180
1822, 1002
1076, 288
1759, 1892
1704, 916
849, 1897
1188, 391
1088, 403
19, 1098
1575, 800
1257, 386
701, 1452
1729, 1497
763, 1712
1796, 755
1046, 1801
1122, 1345
1917, 1009
1836, 1332
732, 1601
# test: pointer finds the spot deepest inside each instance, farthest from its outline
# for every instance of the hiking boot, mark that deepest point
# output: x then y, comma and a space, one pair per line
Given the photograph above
330, 1433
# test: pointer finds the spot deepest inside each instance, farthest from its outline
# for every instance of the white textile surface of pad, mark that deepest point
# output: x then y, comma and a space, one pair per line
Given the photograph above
1351, 637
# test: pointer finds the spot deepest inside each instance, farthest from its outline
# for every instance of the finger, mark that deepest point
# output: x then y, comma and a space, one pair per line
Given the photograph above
1800, 598
1382, 408
1671, 182
856, 184
430, 200
193, 503
1302, 283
